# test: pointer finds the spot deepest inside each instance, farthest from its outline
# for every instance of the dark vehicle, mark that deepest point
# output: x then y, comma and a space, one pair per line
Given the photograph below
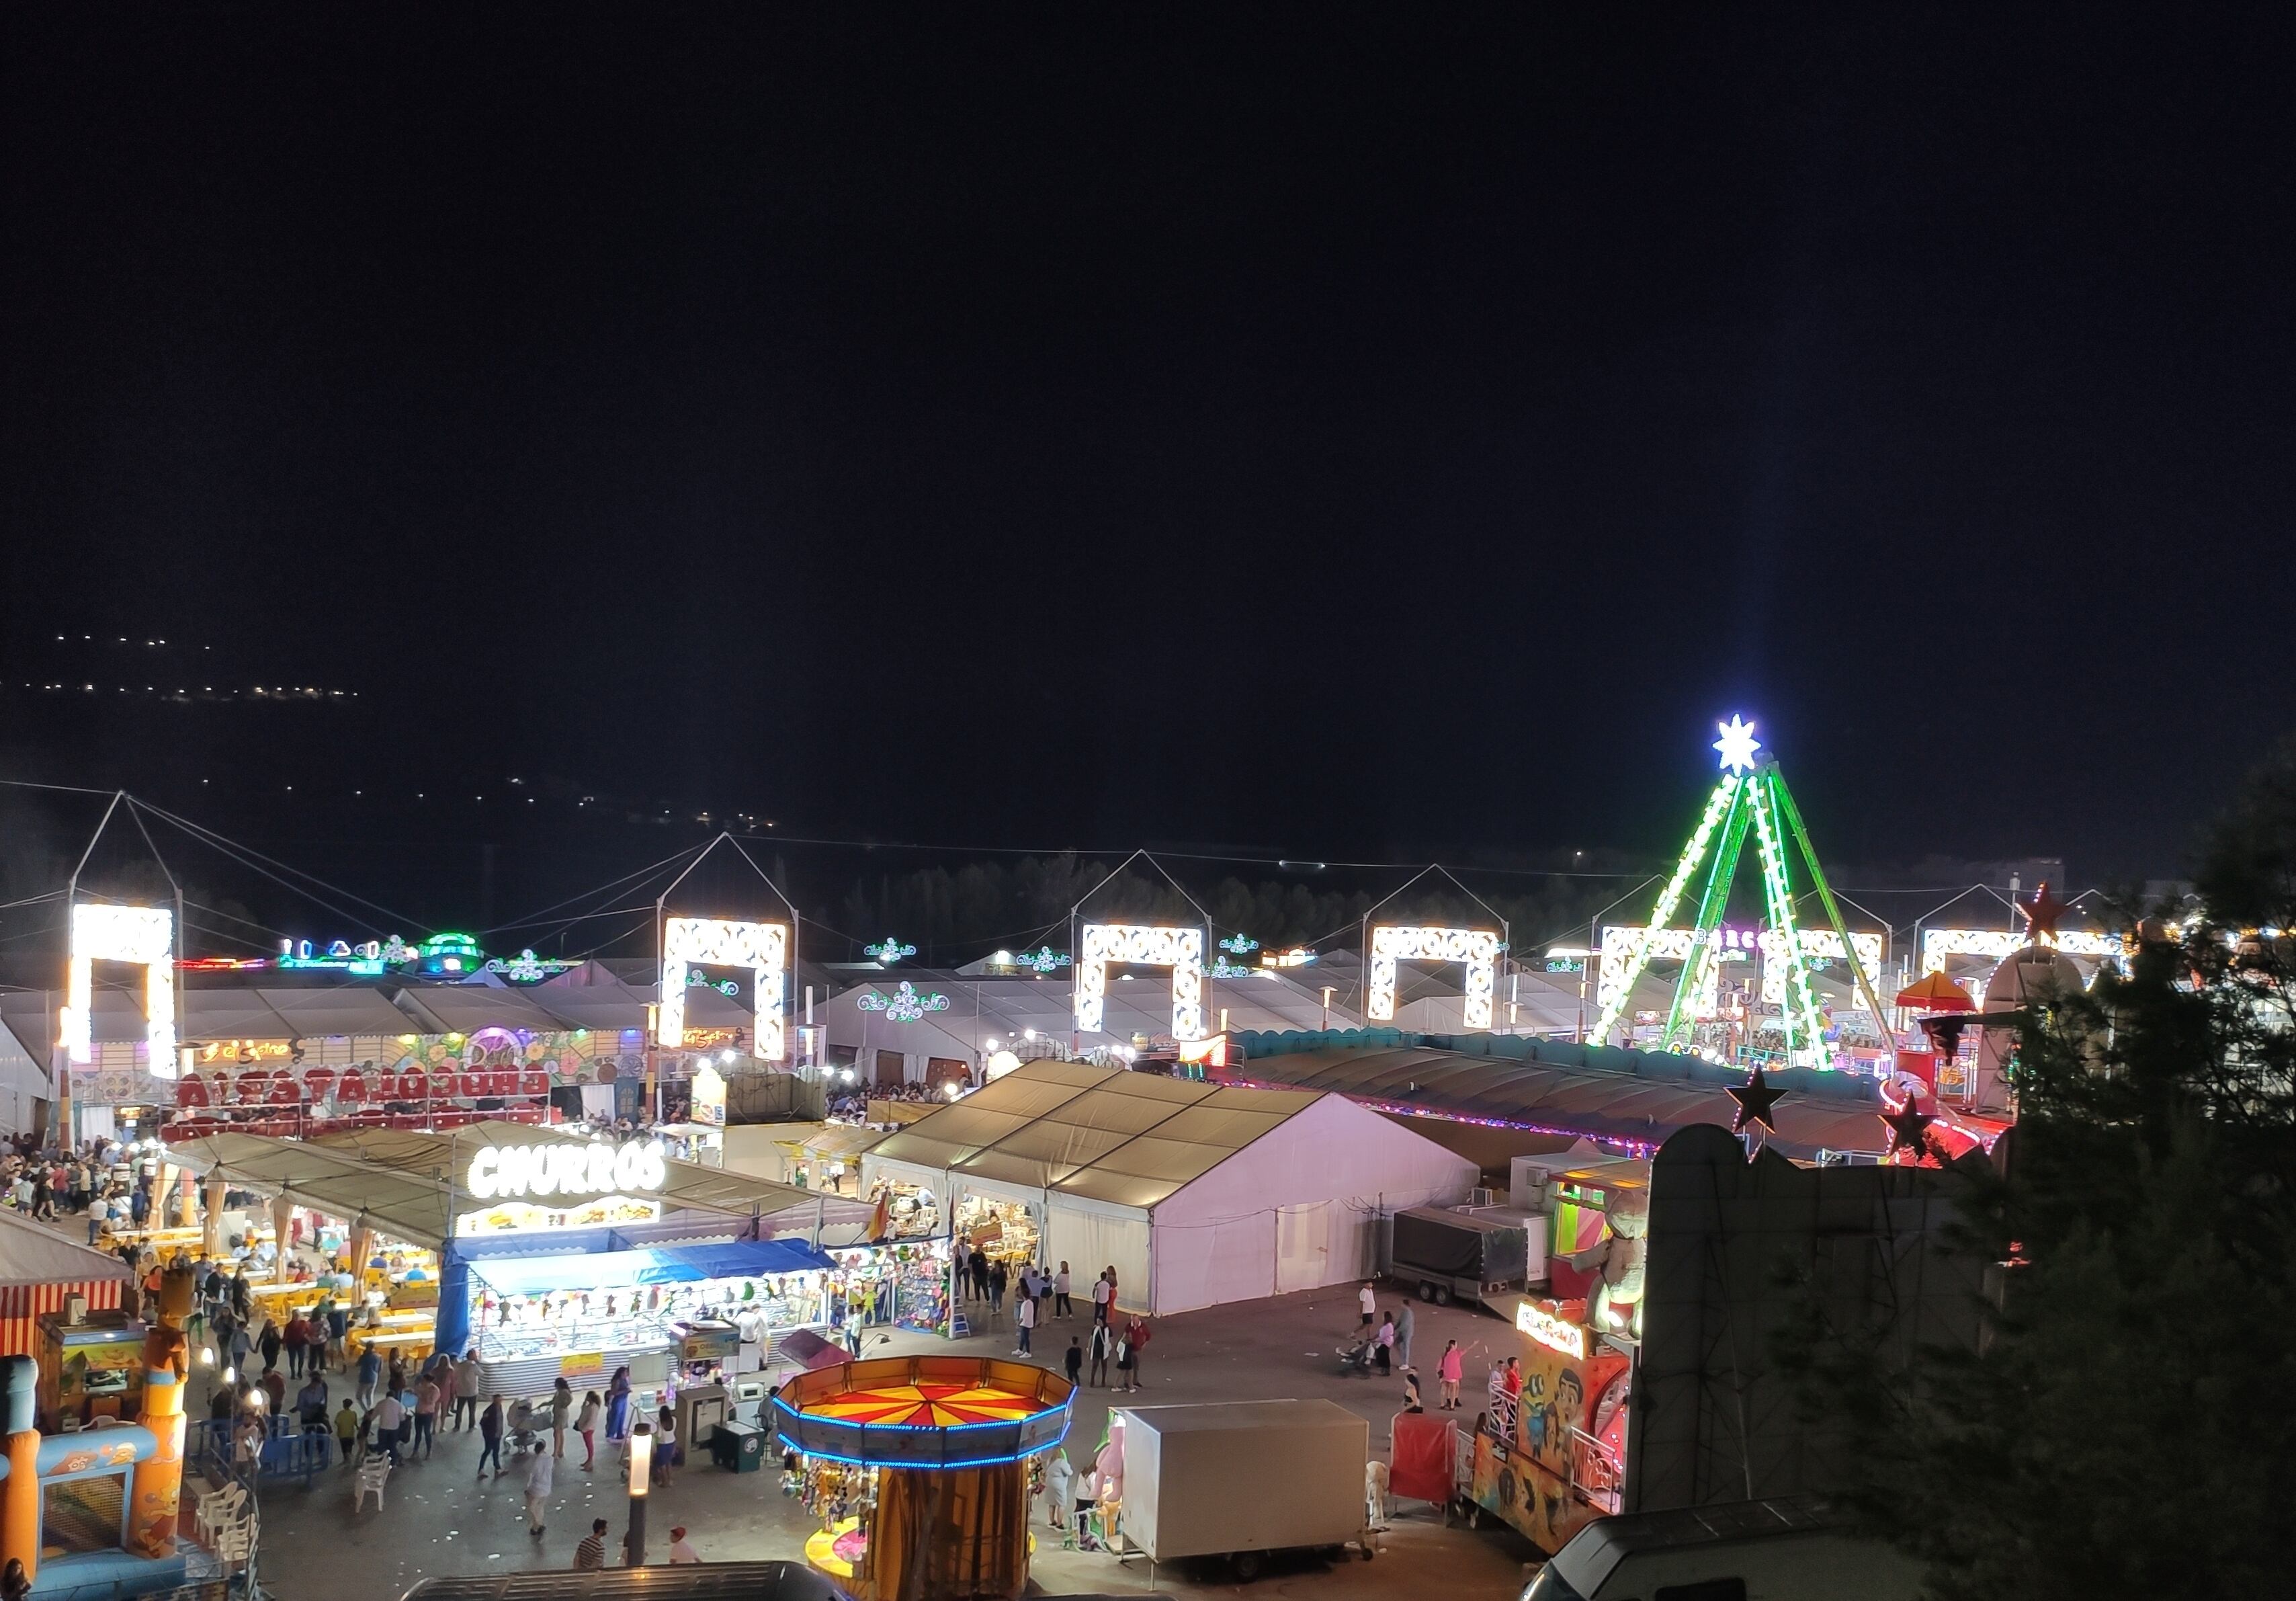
1454, 1254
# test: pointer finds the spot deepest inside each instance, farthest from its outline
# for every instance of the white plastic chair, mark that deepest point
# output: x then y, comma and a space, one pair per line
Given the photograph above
372, 1475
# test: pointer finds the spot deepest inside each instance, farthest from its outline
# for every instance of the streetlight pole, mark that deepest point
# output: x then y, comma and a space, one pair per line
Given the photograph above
641, 1480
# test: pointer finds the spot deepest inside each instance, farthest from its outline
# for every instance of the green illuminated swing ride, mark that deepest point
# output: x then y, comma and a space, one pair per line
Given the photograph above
1751, 794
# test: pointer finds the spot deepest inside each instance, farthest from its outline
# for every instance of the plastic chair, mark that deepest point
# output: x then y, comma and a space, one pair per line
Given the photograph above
373, 1474
221, 1507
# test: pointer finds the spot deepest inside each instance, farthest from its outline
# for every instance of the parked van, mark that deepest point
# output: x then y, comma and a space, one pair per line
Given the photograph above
1791, 1548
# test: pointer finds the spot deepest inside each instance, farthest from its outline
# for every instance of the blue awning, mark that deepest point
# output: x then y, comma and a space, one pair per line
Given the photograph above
654, 1265
739, 1258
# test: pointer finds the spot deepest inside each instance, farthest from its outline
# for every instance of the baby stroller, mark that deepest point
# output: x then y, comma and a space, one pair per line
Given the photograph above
521, 1432
1355, 1359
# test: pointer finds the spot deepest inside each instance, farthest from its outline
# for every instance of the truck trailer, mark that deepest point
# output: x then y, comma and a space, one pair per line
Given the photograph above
1242, 1479
1447, 1255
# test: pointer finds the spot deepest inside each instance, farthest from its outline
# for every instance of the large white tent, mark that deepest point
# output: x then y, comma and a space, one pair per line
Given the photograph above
1197, 1194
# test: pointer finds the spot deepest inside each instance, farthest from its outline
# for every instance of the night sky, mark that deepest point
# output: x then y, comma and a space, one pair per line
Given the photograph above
1375, 433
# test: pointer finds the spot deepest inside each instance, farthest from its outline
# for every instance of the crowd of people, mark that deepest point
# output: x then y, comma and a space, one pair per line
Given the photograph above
1039, 1296
50, 1183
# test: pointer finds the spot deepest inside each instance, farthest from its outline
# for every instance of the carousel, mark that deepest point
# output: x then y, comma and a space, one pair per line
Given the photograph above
918, 1468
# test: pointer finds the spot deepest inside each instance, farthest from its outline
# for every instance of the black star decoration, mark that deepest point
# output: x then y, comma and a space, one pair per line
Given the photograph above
1909, 1131
1755, 1098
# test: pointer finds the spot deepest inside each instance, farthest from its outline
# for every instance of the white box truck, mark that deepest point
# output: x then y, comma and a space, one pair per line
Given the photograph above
1242, 1479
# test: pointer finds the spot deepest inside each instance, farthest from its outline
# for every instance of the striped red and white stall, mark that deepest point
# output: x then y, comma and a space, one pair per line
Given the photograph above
22, 1307
40, 1271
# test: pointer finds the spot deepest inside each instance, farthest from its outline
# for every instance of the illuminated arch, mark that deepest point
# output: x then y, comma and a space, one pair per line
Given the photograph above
142, 935
1391, 943
761, 947
1144, 945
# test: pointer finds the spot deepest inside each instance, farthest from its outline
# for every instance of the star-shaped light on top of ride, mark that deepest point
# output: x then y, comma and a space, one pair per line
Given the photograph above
1737, 744
2041, 915
1909, 1133
1754, 1097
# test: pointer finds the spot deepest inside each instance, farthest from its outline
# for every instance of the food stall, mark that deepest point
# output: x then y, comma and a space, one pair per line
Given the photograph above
655, 1310
437, 1219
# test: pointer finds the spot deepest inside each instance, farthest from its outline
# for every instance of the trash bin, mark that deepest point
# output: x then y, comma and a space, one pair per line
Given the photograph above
739, 1447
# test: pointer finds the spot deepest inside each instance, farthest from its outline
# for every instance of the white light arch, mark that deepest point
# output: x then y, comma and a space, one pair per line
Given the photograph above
1144, 945
1477, 948
761, 947
142, 935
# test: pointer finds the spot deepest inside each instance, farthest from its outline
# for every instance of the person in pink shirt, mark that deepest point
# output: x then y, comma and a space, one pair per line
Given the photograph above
1451, 1370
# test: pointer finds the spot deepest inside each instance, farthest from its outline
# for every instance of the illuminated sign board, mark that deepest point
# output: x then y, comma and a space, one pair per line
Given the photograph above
597, 1169
1557, 1334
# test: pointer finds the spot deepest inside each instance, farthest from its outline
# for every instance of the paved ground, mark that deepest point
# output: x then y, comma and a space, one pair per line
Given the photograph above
438, 1519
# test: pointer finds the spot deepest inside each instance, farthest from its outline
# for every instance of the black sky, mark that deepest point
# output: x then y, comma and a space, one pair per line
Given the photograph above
1354, 432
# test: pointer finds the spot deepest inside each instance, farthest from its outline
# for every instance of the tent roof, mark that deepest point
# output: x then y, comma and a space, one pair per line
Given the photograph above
31, 1254
690, 1184
1590, 1101
410, 1206
1128, 1138
396, 1179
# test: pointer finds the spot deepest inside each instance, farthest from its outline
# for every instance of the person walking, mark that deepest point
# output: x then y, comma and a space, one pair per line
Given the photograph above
541, 1467
999, 1278
426, 1416
1072, 1359
297, 1340
585, 1425
467, 1377
1448, 1369
1101, 1347
1060, 1308
1403, 1320
490, 1436
1383, 1346
311, 1406
1368, 1303
979, 1264
590, 1556
681, 1552
1024, 1318
240, 1344
618, 1407
99, 1213
370, 1376
1103, 1294
389, 1412
1130, 1351
562, 1405
665, 1448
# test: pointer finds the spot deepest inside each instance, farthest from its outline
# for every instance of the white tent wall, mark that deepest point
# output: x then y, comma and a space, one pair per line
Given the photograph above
23, 1084
1090, 1237
1297, 1209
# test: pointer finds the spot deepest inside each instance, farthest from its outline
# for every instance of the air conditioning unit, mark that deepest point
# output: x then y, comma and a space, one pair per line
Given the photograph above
1480, 1198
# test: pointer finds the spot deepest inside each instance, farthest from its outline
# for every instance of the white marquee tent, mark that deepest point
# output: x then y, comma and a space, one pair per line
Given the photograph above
1198, 1194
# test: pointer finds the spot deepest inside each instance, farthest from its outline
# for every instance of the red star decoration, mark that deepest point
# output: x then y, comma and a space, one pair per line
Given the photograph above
2041, 914
1755, 1098
1909, 1131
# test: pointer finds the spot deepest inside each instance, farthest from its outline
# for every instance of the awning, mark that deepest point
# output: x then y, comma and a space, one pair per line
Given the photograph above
654, 1265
